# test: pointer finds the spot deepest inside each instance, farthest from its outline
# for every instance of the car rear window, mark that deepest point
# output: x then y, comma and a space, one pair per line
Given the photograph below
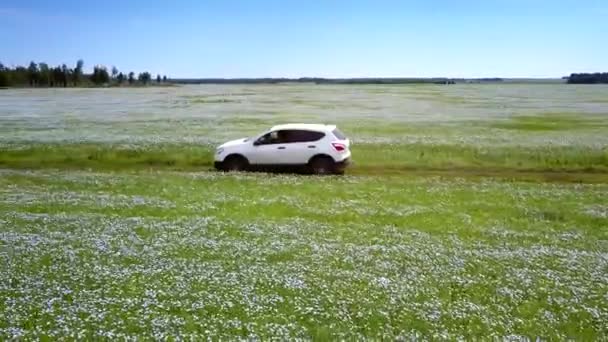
338, 134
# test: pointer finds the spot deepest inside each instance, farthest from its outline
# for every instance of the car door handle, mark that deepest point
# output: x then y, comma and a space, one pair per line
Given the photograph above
312, 146
281, 148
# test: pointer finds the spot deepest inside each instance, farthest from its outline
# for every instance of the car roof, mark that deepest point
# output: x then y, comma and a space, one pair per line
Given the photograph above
303, 126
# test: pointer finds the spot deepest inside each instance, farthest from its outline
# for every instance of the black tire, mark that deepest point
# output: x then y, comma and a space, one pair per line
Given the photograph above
235, 163
322, 166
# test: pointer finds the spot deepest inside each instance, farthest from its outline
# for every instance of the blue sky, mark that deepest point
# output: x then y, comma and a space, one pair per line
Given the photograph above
297, 38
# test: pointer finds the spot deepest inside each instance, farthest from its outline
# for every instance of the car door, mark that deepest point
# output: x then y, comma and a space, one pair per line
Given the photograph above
302, 145
268, 149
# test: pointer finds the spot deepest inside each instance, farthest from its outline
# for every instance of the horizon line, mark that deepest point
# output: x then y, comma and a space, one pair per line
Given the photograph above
371, 77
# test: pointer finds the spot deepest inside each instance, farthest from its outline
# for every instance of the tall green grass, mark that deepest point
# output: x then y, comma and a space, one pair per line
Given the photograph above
366, 157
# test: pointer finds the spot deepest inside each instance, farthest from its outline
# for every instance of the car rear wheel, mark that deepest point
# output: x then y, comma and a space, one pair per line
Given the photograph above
235, 163
322, 166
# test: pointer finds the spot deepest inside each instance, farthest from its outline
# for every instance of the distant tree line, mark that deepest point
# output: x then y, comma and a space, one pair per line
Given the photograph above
43, 75
588, 78
318, 80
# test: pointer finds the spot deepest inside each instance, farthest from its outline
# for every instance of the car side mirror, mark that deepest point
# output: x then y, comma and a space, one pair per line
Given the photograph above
256, 143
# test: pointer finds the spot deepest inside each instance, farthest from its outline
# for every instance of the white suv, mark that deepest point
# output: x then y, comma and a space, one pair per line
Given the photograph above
321, 149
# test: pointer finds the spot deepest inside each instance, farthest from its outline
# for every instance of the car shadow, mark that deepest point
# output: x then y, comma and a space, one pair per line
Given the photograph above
297, 170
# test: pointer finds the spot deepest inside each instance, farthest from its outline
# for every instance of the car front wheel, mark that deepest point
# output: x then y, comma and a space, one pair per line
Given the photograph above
235, 163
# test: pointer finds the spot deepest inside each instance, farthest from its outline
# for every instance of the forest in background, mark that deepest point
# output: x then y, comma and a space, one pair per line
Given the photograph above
43, 75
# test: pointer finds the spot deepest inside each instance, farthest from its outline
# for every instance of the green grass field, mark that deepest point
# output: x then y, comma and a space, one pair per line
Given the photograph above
472, 212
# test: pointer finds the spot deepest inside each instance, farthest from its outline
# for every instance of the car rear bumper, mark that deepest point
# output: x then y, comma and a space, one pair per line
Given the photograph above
341, 165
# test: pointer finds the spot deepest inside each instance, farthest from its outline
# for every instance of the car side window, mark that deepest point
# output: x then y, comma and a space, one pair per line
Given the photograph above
274, 137
289, 136
296, 136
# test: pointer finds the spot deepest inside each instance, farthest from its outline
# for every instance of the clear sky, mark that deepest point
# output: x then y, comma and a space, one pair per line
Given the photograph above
325, 38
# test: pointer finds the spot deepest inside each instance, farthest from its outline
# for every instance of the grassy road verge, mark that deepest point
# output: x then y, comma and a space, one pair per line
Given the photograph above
562, 163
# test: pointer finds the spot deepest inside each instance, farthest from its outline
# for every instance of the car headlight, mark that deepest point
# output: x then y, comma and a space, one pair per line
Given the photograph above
219, 151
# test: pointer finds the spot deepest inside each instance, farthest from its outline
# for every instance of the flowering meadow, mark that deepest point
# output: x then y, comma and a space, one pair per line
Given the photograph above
121, 246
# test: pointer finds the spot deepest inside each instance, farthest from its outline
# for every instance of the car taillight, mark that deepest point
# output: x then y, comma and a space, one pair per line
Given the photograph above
340, 147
